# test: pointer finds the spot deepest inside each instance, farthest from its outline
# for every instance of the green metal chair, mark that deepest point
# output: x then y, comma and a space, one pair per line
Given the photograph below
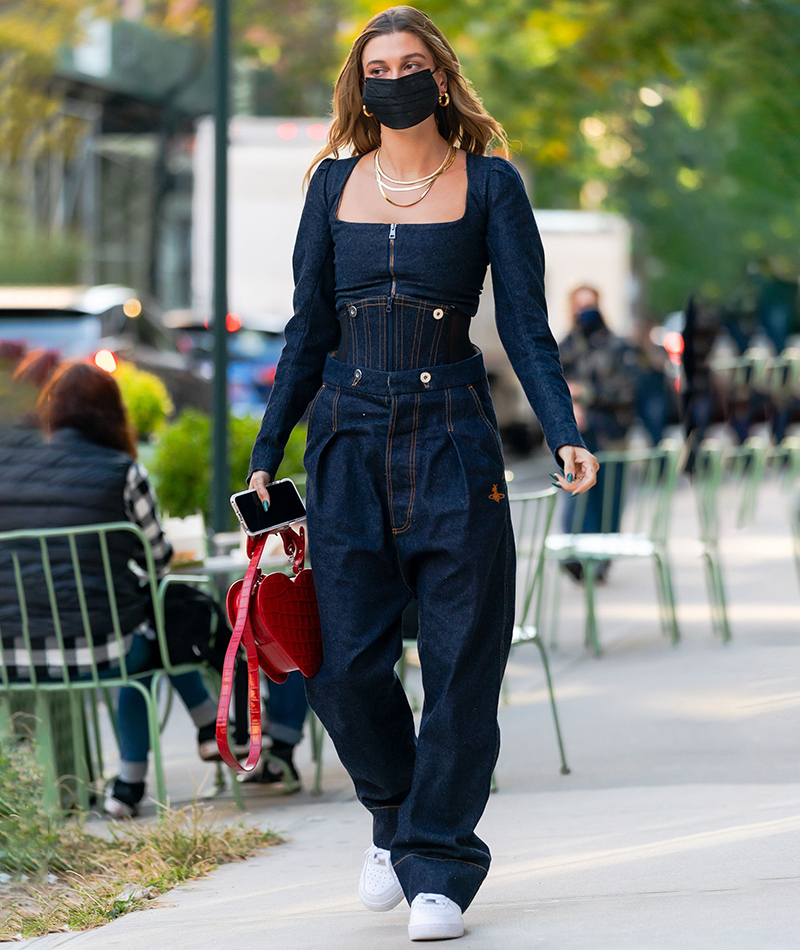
740, 468
783, 460
76, 690
646, 479
532, 513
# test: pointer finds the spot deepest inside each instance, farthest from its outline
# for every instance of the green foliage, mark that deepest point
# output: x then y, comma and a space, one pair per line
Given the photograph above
31, 842
706, 168
146, 398
181, 464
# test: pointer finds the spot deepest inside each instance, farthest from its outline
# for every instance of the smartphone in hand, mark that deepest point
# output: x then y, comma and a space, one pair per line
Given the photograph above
285, 507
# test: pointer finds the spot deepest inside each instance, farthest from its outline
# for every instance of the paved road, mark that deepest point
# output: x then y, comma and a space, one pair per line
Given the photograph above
679, 826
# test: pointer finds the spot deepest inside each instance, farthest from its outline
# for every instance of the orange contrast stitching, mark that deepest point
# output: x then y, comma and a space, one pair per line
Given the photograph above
389, 442
412, 470
335, 414
425, 857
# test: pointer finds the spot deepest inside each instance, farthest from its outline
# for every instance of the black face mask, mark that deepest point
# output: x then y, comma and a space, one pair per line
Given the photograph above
590, 320
401, 103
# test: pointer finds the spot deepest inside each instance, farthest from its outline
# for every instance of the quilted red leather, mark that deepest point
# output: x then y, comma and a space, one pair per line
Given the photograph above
275, 618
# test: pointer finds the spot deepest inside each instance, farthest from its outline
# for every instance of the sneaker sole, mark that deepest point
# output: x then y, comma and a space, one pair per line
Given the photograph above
440, 930
118, 809
388, 903
269, 788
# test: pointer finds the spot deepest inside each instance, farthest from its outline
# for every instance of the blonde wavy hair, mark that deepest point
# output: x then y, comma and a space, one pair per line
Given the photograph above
463, 122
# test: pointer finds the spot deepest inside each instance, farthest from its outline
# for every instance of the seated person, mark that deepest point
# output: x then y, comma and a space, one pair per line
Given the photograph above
85, 472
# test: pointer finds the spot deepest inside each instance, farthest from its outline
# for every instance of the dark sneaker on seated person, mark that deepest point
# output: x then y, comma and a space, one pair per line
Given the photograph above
123, 798
573, 568
207, 747
275, 769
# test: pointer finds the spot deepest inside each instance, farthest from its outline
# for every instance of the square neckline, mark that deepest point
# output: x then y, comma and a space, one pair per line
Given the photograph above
402, 224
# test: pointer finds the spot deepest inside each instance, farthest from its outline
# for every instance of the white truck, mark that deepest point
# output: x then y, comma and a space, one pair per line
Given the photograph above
268, 158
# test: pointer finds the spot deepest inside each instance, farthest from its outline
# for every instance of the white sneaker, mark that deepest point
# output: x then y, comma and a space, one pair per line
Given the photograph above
435, 917
378, 886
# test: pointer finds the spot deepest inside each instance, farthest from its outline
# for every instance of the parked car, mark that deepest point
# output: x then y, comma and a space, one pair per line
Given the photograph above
106, 323
254, 347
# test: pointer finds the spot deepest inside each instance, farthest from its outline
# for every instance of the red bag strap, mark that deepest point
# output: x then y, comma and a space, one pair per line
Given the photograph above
242, 633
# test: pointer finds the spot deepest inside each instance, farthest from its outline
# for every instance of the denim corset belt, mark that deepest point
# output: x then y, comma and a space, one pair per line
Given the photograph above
402, 332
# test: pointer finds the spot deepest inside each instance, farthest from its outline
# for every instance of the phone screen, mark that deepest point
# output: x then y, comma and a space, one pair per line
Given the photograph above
284, 505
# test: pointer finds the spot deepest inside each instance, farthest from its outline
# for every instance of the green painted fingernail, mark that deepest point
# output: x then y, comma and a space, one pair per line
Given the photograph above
266, 506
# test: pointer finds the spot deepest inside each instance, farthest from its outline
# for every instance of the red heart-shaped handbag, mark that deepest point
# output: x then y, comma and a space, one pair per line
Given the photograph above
275, 618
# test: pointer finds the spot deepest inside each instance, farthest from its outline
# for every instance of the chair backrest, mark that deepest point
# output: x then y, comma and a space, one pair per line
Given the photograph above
740, 470
532, 515
16, 548
636, 487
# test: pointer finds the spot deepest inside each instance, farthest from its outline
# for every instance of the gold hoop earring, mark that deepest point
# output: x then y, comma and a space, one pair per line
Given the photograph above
446, 99
364, 110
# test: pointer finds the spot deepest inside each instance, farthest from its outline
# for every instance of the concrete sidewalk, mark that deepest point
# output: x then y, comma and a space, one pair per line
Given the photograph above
679, 826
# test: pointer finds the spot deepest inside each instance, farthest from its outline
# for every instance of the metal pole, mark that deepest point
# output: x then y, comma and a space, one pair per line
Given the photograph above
220, 508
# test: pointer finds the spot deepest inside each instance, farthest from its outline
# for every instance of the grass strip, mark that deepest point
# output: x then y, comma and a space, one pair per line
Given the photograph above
57, 876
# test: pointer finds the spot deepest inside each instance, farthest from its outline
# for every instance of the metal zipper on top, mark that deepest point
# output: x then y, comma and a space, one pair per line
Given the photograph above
389, 329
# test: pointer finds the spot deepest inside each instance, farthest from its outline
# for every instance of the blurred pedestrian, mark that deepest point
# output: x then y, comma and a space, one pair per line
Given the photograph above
602, 374
653, 397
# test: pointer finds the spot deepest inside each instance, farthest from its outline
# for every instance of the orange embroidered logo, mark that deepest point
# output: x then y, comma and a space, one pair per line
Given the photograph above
496, 495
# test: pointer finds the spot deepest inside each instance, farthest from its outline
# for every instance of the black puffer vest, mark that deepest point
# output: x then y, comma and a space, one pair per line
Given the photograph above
64, 482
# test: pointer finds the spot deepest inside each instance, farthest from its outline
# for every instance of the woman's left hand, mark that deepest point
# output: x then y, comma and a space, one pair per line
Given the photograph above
581, 465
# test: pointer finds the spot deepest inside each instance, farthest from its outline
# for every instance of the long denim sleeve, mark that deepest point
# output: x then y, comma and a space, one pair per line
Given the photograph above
312, 331
517, 262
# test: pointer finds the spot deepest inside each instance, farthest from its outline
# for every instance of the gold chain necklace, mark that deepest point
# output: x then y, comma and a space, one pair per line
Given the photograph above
410, 185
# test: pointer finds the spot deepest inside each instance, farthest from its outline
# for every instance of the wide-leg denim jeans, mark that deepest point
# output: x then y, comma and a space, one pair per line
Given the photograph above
406, 496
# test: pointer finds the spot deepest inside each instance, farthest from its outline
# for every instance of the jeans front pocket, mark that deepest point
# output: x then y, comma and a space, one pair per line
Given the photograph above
484, 411
313, 404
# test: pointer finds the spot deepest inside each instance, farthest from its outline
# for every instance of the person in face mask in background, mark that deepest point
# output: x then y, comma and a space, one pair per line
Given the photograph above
602, 374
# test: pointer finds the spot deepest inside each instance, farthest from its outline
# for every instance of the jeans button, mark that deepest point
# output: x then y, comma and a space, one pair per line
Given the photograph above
425, 377
352, 310
438, 313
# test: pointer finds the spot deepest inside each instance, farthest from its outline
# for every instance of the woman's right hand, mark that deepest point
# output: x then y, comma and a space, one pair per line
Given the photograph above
259, 481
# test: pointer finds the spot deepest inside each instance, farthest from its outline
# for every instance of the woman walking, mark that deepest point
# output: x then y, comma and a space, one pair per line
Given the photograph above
406, 494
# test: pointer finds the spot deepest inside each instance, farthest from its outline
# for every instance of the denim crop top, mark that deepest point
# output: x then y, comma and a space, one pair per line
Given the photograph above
335, 262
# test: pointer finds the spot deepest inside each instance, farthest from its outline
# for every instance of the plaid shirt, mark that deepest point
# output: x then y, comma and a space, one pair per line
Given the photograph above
141, 508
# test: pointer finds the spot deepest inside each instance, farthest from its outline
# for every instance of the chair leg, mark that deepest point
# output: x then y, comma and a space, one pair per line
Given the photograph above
589, 568
168, 708
716, 595
666, 595
555, 603
235, 791
661, 594
564, 767
317, 739
724, 628
6, 727
111, 714
151, 699
98, 741
45, 753
216, 681
79, 749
